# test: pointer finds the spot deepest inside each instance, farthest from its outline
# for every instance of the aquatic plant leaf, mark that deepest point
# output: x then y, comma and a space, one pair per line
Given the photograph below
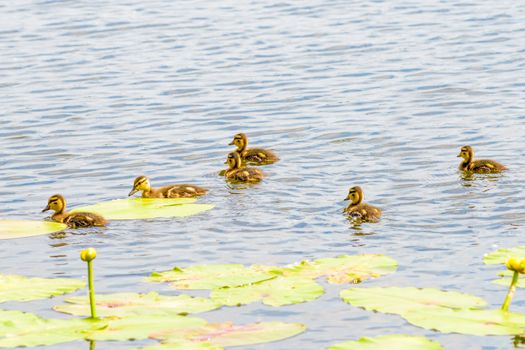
227, 334
506, 277
468, 321
501, 256
183, 345
134, 304
210, 276
390, 342
142, 327
344, 268
146, 208
21, 288
275, 292
397, 300
25, 329
10, 229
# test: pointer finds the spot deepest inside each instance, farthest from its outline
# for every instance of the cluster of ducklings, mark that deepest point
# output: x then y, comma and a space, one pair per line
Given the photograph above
238, 171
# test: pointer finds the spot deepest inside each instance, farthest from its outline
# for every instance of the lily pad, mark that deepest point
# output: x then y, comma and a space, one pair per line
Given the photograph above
21, 288
210, 276
146, 208
390, 342
133, 304
506, 277
344, 268
501, 256
397, 300
183, 345
275, 292
227, 334
10, 229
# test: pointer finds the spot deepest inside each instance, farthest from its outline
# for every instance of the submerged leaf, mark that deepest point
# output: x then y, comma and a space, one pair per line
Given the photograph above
390, 342
210, 276
134, 304
400, 300
275, 292
501, 256
10, 229
344, 268
146, 208
21, 288
227, 334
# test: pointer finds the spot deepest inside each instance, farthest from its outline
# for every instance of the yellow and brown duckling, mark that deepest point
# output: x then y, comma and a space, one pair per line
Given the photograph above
477, 166
73, 220
358, 209
237, 173
253, 156
142, 183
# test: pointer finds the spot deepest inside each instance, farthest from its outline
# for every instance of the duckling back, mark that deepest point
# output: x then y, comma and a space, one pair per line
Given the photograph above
81, 219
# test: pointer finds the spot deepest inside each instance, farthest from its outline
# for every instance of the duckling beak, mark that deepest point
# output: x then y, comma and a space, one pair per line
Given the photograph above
226, 162
230, 144
46, 208
459, 155
347, 198
132, 192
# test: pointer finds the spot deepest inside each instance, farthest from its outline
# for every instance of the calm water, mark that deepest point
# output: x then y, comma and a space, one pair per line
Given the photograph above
380, 94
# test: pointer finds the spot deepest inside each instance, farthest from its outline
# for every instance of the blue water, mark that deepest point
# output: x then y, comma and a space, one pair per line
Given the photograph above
371, 93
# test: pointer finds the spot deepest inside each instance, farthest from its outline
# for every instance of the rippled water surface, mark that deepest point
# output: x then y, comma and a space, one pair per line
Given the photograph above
379, 94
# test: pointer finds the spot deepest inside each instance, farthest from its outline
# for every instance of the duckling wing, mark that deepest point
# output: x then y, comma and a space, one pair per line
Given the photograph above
248, 175
487, 166
259, 156
183, 191
76, 220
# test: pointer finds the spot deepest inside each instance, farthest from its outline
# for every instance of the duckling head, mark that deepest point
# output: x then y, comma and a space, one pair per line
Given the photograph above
141, 183
57, 203
467, 153
241, 141
355, 194
233, 160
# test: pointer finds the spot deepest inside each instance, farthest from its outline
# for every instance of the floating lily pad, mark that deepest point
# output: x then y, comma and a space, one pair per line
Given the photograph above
210, 276
183, 345
506, 277
397, 300
10, 229
227, 334
343, 269
275, 292
501, 256
25, 329
146, 208
21, 288
133, 304
390, 342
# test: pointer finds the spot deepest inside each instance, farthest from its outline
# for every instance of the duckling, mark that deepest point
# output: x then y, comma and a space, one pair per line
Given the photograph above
141, 183
254, 156
73, 220
477, 166
237, 173
361, 210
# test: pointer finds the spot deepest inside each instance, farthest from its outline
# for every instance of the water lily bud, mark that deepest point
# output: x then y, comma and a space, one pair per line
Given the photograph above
88, 254
513, 264
522, 266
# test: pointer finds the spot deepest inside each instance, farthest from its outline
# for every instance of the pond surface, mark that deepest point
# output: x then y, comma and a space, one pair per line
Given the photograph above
370, 93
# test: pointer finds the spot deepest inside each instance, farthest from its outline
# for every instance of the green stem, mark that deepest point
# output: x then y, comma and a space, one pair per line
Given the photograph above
92, 345
91, 290
512, 290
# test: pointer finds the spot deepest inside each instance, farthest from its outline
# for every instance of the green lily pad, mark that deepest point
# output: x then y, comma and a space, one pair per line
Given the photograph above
10, 229
275, 292
397, 300
25, 329
390, 342
21, 288
506, 277
142, 327
227, 334
501, 256
344, 268
133, 304
146, 208
183, 345
210, 276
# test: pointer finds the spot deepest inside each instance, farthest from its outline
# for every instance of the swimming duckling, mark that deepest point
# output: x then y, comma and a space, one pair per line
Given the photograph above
477, 166
358, 209
141, 183
73, 220
237, 173
254, 156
